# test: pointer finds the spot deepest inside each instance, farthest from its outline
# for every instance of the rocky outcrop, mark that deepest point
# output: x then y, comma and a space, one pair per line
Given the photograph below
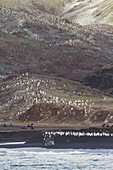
102, 80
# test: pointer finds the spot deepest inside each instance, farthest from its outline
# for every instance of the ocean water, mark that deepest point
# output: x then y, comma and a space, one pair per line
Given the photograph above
61, 159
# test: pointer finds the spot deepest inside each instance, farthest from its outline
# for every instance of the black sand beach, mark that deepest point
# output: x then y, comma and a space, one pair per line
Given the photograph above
92, 138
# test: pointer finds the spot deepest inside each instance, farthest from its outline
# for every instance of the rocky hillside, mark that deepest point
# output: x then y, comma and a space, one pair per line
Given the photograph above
87, 12
47, 99
50, 6
39, 44
84, 12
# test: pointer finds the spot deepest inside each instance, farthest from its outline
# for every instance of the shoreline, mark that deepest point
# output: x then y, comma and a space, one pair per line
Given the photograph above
88, 143
57, 138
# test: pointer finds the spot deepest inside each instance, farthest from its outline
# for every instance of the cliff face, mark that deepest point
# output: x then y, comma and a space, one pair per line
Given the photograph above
40, 38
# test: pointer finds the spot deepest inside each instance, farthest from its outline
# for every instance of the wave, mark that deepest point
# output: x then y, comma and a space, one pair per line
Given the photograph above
12, 143
41, 158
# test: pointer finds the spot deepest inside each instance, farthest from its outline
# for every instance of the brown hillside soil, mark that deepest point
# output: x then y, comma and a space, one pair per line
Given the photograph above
52, 100
68, 114
45, 44
51, 113
53, 70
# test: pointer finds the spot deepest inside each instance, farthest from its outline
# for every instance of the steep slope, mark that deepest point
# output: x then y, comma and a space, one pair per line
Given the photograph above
47, 99
37, 48
51, 6
89, 11
83, 12
46, 44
